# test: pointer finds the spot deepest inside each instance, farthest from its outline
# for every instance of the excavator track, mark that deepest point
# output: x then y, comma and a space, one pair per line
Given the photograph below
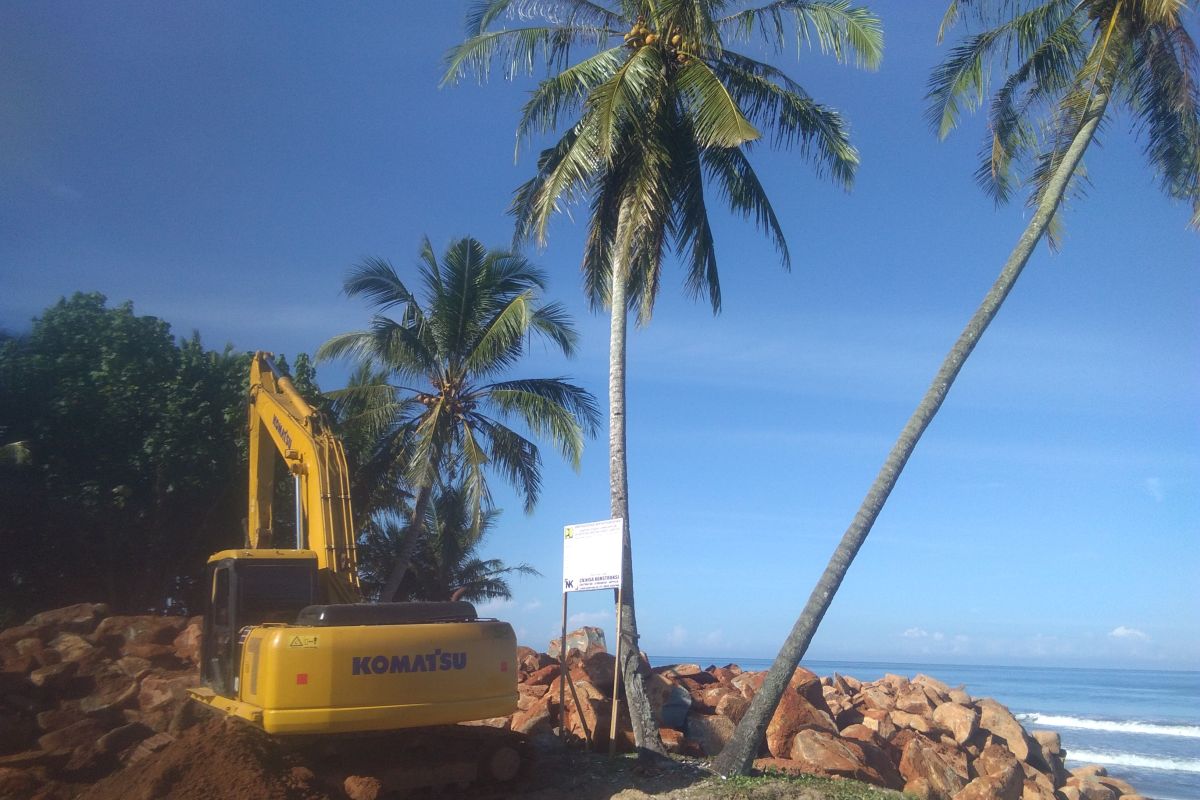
418, 761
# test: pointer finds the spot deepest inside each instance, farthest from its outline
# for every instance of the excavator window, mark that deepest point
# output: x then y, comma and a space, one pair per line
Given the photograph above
274, 592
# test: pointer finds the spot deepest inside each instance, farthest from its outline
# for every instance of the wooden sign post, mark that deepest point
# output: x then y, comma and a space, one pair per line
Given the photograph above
591, 560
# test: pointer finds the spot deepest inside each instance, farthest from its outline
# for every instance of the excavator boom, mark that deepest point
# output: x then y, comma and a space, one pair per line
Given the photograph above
282, 422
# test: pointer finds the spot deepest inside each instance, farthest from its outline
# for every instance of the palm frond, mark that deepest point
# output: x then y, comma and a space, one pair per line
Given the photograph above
515, 458
839, 29
566, 92
616, 108
377, 281
744, 194
1166, 105
517, 49
716, 119
770, 97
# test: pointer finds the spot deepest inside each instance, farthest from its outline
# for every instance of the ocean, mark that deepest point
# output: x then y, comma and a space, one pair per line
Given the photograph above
1141, 725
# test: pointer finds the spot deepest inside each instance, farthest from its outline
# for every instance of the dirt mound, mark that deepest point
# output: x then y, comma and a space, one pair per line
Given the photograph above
219, 758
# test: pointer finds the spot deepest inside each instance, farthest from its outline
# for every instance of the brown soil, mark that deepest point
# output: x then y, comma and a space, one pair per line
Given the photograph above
216, 759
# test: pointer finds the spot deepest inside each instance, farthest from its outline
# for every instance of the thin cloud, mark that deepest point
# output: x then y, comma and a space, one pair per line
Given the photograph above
1122, 632
1154, 487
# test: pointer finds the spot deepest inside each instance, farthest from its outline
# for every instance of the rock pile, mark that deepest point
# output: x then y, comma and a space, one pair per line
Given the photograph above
83, 692
917, 735
89, 699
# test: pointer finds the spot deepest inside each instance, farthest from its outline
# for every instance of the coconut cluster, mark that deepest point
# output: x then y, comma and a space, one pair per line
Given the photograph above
670, 40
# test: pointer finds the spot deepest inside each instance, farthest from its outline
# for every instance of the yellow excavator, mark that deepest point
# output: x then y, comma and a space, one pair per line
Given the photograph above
290, 646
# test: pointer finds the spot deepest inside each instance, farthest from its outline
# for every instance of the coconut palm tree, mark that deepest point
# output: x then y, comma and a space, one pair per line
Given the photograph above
1076, 61
446, 564
659, 112
428, 389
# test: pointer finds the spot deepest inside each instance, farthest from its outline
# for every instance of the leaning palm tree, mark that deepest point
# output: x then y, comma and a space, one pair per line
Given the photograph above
659, 116
1076, 61
434, 405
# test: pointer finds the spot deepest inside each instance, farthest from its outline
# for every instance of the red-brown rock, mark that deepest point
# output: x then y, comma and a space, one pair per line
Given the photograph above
960, 722
793, 714
544, 676
999, 721
121, 631
85, 731
711, 731
822, 753
943, 768
587, 640
80, 618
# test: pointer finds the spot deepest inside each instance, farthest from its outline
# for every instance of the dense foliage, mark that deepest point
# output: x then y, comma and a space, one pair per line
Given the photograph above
134, 464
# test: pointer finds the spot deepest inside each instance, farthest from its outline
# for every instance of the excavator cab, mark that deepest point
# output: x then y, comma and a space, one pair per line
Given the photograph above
248, 588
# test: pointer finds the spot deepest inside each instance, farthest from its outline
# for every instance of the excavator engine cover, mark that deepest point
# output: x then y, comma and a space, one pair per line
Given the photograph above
346, 677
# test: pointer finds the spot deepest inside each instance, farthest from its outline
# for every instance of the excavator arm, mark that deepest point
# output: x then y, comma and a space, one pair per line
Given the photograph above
282, 423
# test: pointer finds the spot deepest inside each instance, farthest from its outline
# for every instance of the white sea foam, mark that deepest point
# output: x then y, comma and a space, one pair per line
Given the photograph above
1134, 760
1113, 726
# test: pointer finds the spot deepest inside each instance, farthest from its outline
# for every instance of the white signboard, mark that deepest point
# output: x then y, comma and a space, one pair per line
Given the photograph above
592, 555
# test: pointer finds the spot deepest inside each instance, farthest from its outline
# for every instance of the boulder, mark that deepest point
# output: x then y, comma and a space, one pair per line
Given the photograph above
529, 660
112, 690
121, 631
10, 636
913, 700
534, 718
122, 737
1092, 789
81, 618
943, 768
587, 640
960, 696
879, 721
987, 788
55, 676
1120, 787
795, 713
748, 683
1050, 741
159, 695
72, 647
875, 696
1035, 790
822, 753
733, 706
598, 669
85, 731
1089, 771
669, 702
961, 722
362, 787
861, 733
916, 722
544, 676
16, 783
1000, 722
926, 682
56, 718
711, 731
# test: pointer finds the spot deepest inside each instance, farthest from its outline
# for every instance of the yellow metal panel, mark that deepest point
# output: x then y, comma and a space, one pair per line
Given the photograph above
273, 554
378, 677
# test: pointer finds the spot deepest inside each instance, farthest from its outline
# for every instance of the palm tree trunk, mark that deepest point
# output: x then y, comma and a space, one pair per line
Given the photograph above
412, 536
645, 732
738, 755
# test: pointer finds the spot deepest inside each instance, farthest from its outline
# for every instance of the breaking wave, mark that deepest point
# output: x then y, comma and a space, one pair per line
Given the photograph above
1113, 726
1135, 761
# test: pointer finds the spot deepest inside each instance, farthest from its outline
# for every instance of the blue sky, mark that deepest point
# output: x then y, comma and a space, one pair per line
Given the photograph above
222, 165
